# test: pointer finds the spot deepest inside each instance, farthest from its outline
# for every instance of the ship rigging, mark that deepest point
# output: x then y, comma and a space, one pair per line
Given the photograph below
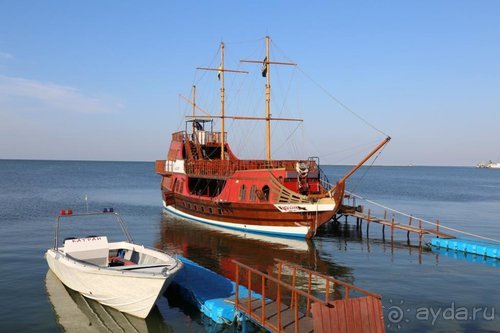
204, 181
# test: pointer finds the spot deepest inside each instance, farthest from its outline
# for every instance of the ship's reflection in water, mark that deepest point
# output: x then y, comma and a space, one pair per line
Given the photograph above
76, 313
215, 248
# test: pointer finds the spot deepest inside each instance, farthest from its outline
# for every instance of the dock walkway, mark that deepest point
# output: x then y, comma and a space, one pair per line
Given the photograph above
279, 303
412, 226
286, 316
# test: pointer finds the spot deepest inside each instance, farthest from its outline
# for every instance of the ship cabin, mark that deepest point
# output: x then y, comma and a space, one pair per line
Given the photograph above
200, 163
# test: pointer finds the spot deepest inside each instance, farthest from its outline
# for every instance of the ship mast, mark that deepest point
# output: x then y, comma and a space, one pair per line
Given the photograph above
266, 72
220, 72
222, 102
268, 102
193, 103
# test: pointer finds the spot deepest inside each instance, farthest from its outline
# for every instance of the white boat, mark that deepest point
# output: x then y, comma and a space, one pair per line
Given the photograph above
122, 275
489, 165
75, 313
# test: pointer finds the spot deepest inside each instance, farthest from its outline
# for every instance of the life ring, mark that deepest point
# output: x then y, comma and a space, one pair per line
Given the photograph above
302, 169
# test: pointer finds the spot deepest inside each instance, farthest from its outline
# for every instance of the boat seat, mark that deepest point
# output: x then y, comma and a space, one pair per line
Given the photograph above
119, 261
93, 250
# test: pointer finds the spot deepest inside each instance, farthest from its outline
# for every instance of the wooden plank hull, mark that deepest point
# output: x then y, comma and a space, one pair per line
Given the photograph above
256, 217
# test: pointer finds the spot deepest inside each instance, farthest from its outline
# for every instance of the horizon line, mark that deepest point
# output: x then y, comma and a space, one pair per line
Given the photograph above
153, 161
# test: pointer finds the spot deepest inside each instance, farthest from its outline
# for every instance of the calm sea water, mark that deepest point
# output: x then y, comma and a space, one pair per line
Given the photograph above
422, 290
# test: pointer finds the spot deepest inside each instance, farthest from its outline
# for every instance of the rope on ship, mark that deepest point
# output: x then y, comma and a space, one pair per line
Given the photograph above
329, 94
425, 221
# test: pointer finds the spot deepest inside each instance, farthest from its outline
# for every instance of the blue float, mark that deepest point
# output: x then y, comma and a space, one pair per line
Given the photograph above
210, 292
479, 248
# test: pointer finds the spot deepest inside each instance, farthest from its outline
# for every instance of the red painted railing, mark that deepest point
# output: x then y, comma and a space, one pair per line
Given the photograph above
300, 298
228, 167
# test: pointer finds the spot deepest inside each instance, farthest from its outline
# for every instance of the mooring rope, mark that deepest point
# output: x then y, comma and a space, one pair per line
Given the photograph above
429, 222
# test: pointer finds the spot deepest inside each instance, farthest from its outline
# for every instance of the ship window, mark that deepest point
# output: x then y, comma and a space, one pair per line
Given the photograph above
220, 211
265, 191
210, 210
253, 194
195, 207
243, 193
202, 209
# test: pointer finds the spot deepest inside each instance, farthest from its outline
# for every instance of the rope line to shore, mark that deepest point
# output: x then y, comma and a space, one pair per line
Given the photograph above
429, 222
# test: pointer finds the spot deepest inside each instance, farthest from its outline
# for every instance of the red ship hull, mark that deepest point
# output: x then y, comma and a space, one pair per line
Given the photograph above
283, 197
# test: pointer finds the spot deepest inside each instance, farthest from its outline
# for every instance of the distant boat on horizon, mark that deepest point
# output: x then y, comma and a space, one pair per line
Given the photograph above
489, 165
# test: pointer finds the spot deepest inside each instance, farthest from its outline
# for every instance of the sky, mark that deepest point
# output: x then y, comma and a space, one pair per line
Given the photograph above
100, 80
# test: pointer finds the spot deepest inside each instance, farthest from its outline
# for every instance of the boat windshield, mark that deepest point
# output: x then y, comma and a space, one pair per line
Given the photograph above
92, 224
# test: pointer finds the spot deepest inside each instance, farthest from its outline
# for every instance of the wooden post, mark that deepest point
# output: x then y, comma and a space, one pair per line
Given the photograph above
392, 228
296, 312
437, 228
237, 285
294, 279
368, 224
383, 225
263, 301
327, 290
309, 285
408, 233
279, 308
249, 286
278, 297
420, 234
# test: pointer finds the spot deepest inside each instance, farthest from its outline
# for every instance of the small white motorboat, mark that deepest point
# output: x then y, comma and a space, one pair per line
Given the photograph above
122, 275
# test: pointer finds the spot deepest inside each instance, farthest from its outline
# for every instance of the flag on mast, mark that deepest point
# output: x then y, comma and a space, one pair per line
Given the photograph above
264, 67
219, 72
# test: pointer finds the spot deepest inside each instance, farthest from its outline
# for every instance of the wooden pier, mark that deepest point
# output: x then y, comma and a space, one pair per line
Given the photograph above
286, 306
412, 226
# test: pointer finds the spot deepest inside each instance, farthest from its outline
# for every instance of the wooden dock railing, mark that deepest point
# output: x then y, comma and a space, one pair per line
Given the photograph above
394, 224
289, 307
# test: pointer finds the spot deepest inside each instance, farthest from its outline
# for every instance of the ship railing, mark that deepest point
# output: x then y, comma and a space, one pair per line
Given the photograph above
199, 136
228, 167
206, 137
323, 179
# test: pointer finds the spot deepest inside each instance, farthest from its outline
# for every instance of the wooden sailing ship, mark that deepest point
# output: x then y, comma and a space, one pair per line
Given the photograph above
204, 181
